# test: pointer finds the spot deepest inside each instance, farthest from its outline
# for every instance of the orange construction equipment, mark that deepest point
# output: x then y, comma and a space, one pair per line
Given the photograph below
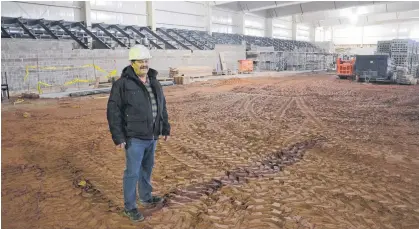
345, 68
245, 66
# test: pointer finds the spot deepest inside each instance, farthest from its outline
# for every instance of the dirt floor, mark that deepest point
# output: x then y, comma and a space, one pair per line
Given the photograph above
306, 151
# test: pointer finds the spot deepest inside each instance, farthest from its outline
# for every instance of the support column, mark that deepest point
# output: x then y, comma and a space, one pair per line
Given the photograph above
209, 18
151, 19
312, 33
268, 27
362, 37
294, 28
86, 17
239, 21
85, 14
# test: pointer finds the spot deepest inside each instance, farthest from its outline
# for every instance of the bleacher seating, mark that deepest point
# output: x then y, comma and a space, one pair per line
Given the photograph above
123, 36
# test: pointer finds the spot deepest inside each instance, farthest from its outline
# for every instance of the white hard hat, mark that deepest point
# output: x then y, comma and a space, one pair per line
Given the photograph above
139, 52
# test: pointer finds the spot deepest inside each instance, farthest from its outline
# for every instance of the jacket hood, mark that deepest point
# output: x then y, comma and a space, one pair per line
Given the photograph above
129, 71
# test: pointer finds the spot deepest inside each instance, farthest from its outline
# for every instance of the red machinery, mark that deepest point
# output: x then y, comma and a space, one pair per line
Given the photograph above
345, 69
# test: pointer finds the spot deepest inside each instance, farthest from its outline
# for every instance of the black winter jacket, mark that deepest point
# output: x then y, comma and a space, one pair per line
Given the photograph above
129, 108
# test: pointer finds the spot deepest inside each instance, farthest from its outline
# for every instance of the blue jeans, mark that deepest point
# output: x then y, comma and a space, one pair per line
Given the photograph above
139, 165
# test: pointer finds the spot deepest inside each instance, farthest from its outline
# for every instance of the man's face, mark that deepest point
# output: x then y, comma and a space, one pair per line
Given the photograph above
141, 67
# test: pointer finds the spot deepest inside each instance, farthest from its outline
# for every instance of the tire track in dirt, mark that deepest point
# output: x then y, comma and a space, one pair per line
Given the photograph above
307, 112
208, 193
285, 107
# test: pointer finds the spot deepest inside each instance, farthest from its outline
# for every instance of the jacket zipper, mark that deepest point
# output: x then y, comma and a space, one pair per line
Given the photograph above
142, 86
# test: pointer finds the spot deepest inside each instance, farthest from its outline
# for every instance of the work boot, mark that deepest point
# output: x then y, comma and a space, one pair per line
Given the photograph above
134, 215
153, 201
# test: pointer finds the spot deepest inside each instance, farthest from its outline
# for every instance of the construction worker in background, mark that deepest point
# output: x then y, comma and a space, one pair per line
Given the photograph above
137, 116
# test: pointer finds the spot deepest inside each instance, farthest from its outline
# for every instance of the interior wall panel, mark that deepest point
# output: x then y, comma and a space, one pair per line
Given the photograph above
254, 26
67, 11
136, 8
117, 12
223, 21
182, 15
282, 27
98, 16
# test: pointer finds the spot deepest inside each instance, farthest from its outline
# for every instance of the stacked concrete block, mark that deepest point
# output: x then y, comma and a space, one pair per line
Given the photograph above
384, 47
402, 45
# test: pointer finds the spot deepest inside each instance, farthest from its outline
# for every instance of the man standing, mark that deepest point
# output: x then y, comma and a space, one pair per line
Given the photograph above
137, 115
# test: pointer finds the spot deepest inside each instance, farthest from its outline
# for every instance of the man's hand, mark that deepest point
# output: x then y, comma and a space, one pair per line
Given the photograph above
166, 138
122, 145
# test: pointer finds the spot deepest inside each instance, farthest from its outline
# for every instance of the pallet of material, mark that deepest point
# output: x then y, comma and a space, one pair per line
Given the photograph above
193, 71
164, 79
180, 80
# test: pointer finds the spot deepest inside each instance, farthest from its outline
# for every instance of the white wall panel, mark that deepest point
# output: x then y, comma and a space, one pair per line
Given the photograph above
254, 25
222, 28
117, 18
282, 27
303, 32
197, 8
254, 22
179, 20
373, 33
224, 21
68, 11
223, 17
347, 35
254, 32
281, 24
118, 12
183, 15
135, 8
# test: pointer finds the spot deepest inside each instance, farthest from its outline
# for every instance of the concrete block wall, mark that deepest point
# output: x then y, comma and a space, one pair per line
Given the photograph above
29, 63
28, 45
231, 54
26, 70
